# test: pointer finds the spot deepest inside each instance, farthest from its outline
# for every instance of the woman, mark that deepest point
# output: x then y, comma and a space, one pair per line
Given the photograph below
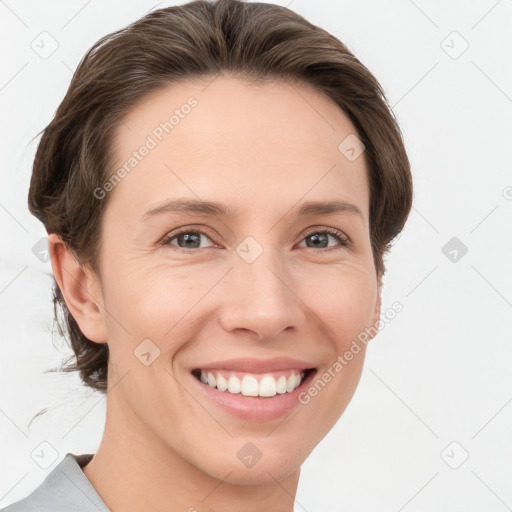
220, 186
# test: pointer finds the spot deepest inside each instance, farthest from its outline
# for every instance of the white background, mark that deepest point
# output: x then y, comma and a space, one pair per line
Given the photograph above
438, 373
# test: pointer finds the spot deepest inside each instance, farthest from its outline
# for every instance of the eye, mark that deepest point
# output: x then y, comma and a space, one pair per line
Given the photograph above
319, 239
187, 239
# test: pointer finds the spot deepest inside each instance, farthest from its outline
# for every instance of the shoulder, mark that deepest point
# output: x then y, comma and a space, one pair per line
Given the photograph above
65, 489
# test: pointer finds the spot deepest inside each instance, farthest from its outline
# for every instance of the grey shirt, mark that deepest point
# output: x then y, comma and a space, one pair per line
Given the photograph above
65, 489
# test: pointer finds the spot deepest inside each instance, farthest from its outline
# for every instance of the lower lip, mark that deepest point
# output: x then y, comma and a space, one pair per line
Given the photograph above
252, 407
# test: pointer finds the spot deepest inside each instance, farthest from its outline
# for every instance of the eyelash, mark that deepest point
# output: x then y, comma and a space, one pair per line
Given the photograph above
344, 241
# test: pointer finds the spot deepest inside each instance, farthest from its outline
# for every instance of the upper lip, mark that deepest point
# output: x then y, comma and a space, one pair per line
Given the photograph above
257, 365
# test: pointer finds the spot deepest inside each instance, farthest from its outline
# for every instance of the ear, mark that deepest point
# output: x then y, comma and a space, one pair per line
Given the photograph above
376, 313
81, 289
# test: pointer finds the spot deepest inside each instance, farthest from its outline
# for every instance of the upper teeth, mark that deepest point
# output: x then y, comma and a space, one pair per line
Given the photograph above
252, 384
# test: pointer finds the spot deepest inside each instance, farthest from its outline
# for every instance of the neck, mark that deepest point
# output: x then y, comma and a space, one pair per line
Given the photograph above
134, 470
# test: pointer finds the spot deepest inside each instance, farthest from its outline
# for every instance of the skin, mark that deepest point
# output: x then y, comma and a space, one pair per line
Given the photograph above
263, 150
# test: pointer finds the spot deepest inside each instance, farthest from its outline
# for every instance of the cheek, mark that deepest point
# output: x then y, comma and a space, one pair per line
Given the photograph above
345, 305
344, 302
161, 302
157, 303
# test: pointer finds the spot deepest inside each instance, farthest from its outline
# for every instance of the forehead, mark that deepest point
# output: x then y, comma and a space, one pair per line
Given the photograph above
225, 139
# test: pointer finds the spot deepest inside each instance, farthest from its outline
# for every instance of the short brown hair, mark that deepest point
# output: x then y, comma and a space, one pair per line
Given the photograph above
252, 41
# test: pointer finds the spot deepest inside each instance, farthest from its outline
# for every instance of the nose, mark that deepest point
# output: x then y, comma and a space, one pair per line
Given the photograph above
260, 299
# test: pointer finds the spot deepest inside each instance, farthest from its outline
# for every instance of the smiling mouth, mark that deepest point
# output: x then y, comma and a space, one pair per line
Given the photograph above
263, 385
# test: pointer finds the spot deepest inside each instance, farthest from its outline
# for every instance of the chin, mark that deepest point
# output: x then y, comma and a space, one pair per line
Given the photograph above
247, 465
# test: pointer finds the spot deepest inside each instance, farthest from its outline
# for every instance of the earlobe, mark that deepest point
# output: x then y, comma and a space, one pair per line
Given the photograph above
80, 289
378, 305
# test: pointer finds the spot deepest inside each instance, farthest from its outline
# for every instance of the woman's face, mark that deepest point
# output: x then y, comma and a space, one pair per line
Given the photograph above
261, 281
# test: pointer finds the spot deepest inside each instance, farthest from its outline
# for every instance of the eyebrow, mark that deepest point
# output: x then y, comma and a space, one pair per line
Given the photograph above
309, 208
